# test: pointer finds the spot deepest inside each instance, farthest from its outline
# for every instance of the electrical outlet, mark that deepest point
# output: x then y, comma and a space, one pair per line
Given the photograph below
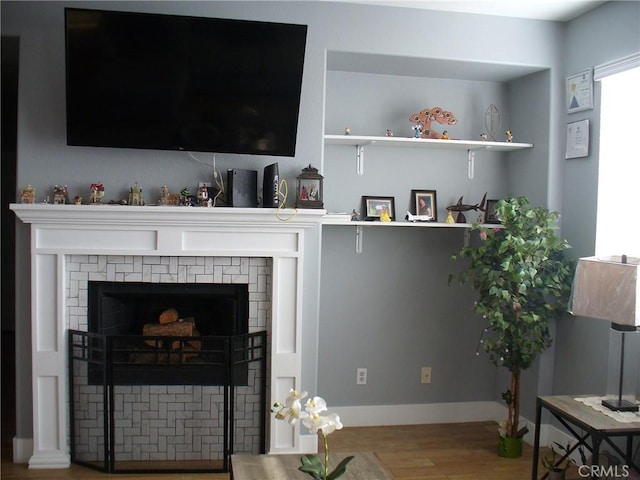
426, 375
361, 376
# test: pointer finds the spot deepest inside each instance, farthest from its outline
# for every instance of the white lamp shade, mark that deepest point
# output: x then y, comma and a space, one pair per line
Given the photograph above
606, 288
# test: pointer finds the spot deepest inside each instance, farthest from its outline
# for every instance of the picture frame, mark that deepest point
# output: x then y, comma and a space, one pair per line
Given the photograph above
424, 205
577, 139
373, 206
579, 91
490, 215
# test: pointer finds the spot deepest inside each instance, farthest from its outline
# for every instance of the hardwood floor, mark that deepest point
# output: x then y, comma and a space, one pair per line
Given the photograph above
461, 451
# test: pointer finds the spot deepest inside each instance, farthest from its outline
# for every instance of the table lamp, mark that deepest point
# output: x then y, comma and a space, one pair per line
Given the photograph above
608, 288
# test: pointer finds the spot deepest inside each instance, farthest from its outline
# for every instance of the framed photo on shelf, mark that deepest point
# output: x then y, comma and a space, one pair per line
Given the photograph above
374, 206
580, 91
490, 214
423, 205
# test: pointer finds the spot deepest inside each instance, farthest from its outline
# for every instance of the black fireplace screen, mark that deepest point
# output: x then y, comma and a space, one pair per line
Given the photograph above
163, 403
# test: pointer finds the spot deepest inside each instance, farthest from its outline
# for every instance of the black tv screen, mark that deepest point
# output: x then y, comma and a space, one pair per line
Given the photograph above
167, 82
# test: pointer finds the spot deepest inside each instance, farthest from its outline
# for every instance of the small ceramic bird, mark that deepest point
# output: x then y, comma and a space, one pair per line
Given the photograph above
384, 216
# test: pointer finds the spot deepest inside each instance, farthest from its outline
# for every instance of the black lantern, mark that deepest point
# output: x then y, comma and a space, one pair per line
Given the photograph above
309, 191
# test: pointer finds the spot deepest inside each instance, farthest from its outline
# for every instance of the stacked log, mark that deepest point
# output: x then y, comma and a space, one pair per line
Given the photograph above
170, 325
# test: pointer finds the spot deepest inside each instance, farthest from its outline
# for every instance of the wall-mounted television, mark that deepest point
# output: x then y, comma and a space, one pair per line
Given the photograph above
169, 82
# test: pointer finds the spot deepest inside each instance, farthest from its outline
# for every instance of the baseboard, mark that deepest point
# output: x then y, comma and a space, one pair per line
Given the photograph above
22, 449
378, 415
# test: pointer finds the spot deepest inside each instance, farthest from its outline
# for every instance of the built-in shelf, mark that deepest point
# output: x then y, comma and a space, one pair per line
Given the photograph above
363, 140
399, 223
471, 146
343, 220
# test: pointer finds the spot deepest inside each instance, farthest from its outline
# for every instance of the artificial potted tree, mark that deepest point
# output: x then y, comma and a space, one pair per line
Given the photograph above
523, 281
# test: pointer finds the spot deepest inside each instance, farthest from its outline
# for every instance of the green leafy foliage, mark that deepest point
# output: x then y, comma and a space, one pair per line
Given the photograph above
312, 465
523, 280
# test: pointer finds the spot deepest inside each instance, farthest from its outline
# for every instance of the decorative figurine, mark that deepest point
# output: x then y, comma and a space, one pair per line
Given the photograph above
185, 197
384, 215
164, 196
97, 193
445, 135
483, 137
135, 196
449, 218
203, 196
389, 133
77, 200
509, 136
355, 216
347, 131
417, 130
492, 121
60, 195
429, 115
28, 194
463, 207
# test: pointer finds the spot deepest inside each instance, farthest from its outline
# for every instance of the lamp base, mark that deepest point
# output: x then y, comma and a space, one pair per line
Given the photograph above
620, 405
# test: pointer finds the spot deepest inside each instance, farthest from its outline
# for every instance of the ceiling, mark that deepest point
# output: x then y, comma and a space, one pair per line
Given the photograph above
554, 10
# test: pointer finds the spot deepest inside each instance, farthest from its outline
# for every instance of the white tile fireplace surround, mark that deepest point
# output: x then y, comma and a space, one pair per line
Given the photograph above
59, 232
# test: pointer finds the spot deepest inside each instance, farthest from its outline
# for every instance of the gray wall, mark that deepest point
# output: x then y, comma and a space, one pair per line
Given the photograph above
388, 309
576, 371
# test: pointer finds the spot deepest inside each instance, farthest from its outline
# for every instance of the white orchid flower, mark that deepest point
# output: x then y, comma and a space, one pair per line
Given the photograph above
325, 423
332, 423
314, 422
291, 411
316, 405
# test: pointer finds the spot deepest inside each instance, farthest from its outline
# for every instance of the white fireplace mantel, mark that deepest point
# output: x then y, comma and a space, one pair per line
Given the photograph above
60, 230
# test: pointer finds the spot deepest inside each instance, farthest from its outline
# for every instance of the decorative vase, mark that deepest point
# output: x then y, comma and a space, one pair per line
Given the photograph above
509, 447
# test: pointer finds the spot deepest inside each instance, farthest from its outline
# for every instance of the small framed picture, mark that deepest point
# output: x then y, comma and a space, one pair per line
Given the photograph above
577, 139
580, 91
491, 215
423, 204
375, 206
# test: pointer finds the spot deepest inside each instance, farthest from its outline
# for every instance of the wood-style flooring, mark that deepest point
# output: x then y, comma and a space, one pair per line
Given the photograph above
461, 451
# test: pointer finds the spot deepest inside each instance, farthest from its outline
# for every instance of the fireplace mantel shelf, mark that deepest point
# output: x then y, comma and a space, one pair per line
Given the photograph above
155, 215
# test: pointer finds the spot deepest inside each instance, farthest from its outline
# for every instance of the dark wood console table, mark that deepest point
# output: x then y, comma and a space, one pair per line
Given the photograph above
596, 427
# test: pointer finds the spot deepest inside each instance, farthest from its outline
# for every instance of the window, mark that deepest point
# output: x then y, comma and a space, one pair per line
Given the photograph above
618, 224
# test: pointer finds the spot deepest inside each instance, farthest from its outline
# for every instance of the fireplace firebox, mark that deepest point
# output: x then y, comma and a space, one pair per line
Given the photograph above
123, 311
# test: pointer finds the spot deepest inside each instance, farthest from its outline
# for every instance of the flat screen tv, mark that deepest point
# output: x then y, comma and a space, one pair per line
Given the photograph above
168, 82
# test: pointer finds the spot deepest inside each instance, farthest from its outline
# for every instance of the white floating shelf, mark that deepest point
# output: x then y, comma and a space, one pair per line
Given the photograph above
363, 140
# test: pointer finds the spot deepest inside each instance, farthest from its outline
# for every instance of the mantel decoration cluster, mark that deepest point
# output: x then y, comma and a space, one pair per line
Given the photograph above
291, 411
523, 281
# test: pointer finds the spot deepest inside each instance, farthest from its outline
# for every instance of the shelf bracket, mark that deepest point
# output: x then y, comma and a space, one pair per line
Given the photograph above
359, 160
359, 235
471, 154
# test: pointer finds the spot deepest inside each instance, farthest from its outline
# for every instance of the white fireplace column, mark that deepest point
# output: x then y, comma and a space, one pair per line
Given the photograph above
60, 230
